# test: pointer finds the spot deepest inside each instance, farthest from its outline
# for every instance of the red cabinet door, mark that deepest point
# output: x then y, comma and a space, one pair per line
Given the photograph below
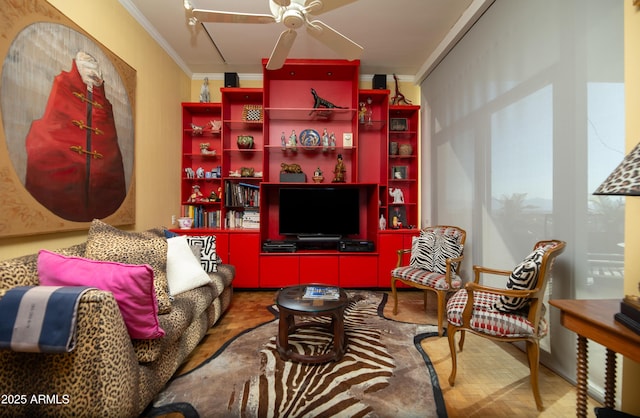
319, 269
358, 270
244, 250
278, 271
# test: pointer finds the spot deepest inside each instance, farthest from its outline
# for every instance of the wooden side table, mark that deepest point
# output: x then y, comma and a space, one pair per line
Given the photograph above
291, 303
593, 319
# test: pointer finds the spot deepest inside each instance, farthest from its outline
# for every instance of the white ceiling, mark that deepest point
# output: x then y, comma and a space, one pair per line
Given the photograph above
405, 37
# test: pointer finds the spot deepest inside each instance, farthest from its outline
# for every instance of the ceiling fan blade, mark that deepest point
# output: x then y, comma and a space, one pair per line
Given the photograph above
231, 17
282, 3
316, 7
281, 50
335, 40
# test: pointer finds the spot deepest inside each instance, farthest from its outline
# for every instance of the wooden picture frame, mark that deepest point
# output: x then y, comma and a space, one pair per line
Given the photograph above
398, 217
398, 124
28, 77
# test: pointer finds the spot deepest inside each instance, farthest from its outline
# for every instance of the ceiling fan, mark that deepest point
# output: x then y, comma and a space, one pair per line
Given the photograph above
293, 14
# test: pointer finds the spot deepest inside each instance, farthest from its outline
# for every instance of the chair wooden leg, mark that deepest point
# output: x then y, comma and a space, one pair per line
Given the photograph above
451, 332
394, 293
533, 353
441, 307
461, 343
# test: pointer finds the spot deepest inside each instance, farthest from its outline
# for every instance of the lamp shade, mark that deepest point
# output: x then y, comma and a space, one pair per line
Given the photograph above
625, 179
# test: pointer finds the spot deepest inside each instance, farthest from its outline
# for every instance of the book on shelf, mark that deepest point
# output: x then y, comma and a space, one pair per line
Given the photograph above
322, 293
202, 218
241, 194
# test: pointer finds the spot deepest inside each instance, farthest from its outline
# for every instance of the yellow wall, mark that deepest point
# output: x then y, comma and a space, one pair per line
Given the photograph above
630, 369
161, 87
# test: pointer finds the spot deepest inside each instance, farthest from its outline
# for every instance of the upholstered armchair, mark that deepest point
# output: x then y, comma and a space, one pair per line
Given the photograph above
514, 313
434, 264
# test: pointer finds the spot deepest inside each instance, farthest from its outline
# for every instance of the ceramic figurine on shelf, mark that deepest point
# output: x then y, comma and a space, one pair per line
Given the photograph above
398, 196
382, 223
339, 171
293, 141
283, 141
362, 113
196, 195
200, 173
325, 140
320, 102
332, 141
317, 176
205, 97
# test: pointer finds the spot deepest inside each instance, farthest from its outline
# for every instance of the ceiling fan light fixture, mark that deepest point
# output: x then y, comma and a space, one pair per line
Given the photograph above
187, 5
293, 19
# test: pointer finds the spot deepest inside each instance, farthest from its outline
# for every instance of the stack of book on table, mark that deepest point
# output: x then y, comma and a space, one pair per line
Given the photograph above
322, 292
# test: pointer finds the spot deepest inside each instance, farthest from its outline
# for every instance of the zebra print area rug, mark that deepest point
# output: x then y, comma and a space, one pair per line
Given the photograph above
384, 373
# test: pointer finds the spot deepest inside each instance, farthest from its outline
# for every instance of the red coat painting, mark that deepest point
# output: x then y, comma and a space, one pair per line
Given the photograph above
74, 162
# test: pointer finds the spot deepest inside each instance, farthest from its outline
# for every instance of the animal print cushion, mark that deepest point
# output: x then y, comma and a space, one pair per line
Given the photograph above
422, 251
523, 277
446, 246
107, 243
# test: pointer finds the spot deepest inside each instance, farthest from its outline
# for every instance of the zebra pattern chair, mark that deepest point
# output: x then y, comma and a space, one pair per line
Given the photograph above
515, 313
436, 255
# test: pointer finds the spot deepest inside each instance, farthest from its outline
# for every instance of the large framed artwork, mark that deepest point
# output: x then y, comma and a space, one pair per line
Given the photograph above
66, 127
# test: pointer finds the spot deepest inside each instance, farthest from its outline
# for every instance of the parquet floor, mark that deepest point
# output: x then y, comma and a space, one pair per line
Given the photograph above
492, 379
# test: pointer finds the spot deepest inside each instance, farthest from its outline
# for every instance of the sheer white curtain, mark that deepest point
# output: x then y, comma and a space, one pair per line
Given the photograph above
522, 121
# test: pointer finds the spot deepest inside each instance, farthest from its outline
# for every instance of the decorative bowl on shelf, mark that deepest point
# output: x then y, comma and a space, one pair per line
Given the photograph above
245, 141
185, 223
405, 149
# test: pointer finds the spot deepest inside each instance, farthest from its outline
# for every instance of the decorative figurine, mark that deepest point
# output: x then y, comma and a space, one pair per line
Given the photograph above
196, 195
205, 97
215, 126
205, 150
317, 176
200, 173
369, 116
332, 141
362, 113
290, 168
339, 171
320, 102
196, 130
382, 222
213, 197
283, 141
190, 173
293, 141
398, 196
399, 97
325, 140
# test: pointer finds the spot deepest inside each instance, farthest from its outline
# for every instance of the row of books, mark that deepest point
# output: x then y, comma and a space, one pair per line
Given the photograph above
202, 218
241, 194
246, 219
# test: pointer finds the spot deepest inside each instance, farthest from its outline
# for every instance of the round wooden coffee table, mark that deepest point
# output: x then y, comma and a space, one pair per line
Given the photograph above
291, 303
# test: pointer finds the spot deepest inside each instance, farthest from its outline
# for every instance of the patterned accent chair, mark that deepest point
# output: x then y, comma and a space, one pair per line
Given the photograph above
512, 314
436, 255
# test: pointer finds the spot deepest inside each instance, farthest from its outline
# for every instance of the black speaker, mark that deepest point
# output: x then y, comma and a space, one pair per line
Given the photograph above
231, 80
379, 81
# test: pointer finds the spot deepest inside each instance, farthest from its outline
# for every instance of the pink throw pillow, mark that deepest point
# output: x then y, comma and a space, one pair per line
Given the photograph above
131, 285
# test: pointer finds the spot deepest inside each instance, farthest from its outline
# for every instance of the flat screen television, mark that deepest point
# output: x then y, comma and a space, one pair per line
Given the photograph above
319, 212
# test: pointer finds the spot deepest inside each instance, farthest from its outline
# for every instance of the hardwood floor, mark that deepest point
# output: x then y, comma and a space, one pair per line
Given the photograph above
492, 379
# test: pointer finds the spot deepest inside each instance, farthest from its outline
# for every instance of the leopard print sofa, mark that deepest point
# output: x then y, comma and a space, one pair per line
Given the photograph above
107, 374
